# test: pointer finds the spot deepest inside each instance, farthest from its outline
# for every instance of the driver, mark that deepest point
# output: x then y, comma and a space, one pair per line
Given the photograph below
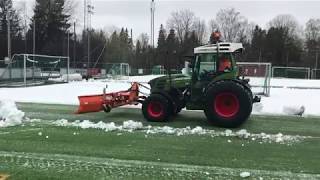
224, 64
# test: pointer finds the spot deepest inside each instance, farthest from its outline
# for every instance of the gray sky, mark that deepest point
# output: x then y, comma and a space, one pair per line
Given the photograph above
136, 13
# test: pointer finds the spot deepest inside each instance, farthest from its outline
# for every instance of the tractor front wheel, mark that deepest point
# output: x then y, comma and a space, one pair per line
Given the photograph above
228, 104
156, 108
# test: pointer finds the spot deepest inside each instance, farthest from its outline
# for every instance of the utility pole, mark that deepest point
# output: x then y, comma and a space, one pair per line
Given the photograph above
153, 8
316, 68
34, 36
68, 44
74, 44
9, 34
90, 12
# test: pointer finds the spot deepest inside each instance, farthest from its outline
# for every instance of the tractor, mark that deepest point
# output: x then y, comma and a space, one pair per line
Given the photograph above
212, 84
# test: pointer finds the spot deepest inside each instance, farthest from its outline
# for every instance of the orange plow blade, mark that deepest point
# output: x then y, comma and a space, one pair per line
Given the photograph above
89, 104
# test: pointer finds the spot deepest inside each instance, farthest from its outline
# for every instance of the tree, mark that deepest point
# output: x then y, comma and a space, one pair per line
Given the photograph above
283, 40
289, 22
231, 24
144, 39
199, 30
182, 22
113, 49
7, 11
161, 48
172, 50
258, 45
51, 26
312, 33
312, 42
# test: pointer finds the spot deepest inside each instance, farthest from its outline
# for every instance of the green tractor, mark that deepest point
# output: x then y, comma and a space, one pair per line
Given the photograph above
212, 85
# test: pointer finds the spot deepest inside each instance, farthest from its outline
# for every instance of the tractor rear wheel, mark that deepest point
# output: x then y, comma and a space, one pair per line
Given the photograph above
228, 104
156, 108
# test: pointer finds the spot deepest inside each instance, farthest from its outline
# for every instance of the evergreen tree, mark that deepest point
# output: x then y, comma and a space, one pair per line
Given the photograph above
51, 25
258, 43
161, 49
172, 50
6, 10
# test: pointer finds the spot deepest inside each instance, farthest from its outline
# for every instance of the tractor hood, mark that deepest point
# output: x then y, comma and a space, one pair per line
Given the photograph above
179, 81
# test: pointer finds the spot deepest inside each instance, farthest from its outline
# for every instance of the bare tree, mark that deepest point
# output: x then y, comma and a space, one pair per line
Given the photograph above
312, 31
231, 24
289, 22
144, 39
182, 22
199, 26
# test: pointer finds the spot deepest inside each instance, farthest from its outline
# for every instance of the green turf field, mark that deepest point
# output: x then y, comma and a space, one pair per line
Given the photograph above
74, 153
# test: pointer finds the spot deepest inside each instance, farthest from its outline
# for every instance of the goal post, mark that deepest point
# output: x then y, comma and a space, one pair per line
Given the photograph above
291, 72
259, 74
315, 73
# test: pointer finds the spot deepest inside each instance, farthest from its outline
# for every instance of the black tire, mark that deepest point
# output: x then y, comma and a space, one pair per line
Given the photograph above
156, 108
106, 108
228, 104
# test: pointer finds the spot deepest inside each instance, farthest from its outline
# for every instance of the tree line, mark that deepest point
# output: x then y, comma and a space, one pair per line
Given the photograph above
282, 42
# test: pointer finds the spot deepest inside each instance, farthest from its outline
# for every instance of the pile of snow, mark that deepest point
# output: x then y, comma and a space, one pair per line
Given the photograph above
9, 114
130, 126
277, 104
245, 174
64, 78
294, 110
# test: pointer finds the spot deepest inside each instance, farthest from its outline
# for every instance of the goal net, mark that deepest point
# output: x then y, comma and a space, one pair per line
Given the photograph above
259, 75
315, 73
291, 72
31, 69
116, 70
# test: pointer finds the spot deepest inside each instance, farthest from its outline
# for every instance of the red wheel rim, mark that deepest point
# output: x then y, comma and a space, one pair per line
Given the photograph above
155, 109
226, 105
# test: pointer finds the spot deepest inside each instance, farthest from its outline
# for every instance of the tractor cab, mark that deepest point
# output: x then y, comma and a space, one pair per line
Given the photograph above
216, 59
212, 63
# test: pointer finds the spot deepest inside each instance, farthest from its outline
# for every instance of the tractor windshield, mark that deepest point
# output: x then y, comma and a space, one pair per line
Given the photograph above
209, 63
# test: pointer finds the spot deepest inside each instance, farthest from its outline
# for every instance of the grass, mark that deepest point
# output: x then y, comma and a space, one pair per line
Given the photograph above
95, 154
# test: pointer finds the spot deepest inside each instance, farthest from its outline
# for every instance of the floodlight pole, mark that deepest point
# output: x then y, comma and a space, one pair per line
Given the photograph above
34, 36
90, 12
152, 22
9, 35
315, 73
25, 70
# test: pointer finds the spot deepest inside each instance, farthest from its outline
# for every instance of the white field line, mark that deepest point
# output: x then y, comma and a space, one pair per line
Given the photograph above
20, 130
73, 163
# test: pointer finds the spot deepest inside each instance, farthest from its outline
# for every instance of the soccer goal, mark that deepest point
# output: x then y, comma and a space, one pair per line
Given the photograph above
31, 69
291, 72
315, 73
116, 70
259, 74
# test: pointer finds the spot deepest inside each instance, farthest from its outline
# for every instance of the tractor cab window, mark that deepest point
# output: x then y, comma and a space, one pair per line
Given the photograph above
205, 63
209, 64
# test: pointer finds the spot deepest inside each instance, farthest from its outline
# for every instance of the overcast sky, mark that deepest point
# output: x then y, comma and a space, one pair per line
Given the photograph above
135, 14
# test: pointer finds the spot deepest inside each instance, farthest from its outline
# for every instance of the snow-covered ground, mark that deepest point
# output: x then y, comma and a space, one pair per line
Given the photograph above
283, 101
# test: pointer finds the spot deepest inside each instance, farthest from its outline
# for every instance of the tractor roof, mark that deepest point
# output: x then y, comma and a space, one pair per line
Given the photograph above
224, 47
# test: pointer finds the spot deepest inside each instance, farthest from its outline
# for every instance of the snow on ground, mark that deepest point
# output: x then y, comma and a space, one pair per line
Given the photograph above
283, 101
9, 114
130, 126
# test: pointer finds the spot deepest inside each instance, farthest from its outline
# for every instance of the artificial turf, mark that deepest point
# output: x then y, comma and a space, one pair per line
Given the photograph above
74, 153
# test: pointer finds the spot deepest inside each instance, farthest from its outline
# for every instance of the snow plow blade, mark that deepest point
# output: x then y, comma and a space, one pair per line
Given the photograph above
107, 101
89, 104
